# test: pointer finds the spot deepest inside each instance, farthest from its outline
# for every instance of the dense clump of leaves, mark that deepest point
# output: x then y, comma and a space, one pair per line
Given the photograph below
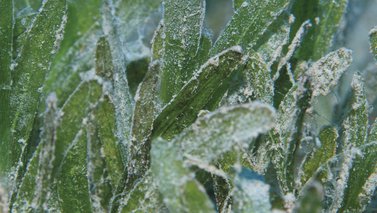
93, 119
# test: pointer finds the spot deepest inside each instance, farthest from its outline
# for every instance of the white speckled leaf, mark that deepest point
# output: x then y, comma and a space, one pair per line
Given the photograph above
326, 72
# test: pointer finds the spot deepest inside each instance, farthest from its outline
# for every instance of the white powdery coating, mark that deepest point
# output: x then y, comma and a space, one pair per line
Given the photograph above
289, 201
368, 190
217, 132
59, 34
3, 200
296, 42
357, 85
341, 181
326, 72
255, 193
373, 31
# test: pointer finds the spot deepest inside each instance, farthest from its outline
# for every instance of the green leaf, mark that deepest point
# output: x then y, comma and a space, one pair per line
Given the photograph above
100, 186
272, 49
73, 187
104, 115
158, 43
216, 133
310, 199
362, 180
248, 24
196, 94
121, 96
70, 169
76, 54
326, 72
37, 182
6, 40
183, 23
356, 123
373, 41
30, 71
204, 142
290, 123
325, 17
329, 21
143, 197
142, 123
320, 155
256, 82
181, 191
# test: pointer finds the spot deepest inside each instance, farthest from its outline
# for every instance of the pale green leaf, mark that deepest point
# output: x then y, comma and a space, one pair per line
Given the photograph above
251, 194
373, 41
326, 72
181, 191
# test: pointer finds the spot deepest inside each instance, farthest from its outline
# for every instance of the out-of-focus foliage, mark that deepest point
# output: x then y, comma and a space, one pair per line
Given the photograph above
98, 114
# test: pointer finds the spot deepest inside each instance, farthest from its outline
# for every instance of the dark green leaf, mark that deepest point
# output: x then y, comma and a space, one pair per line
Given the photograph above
6, 39
31, 68
320, 155
248, 24
142, 123
310, 199
196, 94
183, 23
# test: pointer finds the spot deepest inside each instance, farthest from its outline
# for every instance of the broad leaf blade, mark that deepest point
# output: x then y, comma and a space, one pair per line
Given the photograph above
70, 167
143, 197
325, 17
6, 40
196, 94
248, 23
320, 155
326, 72
32, 67
256, 82
37, 183
361, 182
356, 123
205, 141
216, 133
183, 23
181, 191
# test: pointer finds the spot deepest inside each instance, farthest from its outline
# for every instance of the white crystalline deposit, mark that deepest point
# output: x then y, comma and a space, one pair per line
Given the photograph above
326, 72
